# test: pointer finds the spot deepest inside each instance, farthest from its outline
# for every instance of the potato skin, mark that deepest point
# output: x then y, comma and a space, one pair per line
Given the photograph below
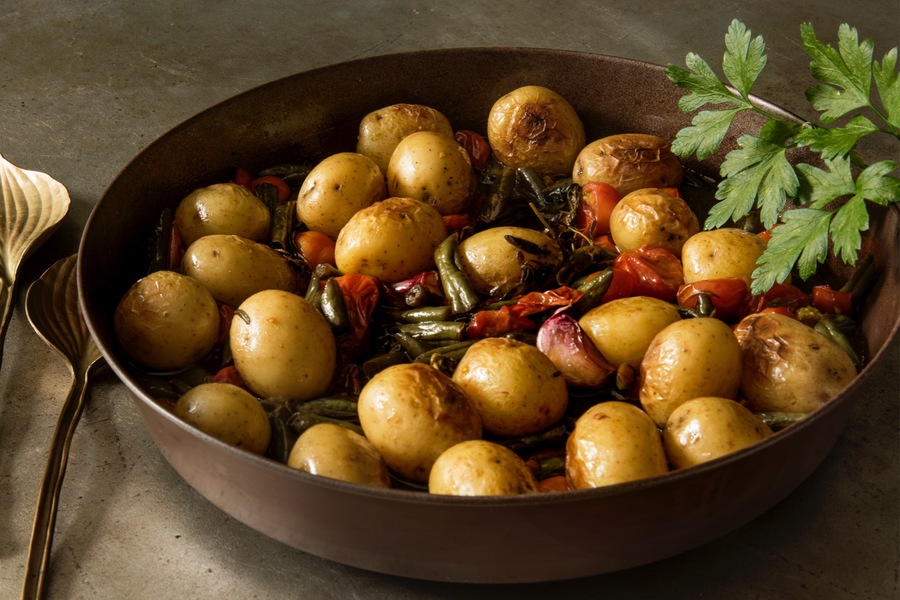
623, 329
652, 217
333, 451
167, 321
492, 263
516, 389
789, 366
703, 429
689, 359
222, 208
411, 413
228, 413
336, 188
381, 130
233, 268
285, 348
533, 126
480, 468
721, 253
628, 162
613, 442
390, 240
434, 168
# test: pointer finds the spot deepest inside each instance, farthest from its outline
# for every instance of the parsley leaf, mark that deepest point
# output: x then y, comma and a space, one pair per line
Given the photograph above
759, 177
847, 76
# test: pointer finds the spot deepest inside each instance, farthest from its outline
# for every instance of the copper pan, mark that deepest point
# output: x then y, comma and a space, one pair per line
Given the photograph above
500, 540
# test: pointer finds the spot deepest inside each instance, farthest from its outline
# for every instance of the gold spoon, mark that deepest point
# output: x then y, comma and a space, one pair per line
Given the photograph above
32, 205
51, 305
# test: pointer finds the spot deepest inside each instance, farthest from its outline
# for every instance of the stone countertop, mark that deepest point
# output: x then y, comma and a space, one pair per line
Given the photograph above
85, 85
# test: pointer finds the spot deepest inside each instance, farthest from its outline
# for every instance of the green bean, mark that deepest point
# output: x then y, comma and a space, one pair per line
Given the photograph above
381, 362
535, 184
780, 420
434, 330
554, 434
422, 314
301, 421
454, 282
826, 327
335, 408
412, 346
862, 279
593, 291
282, 223
550, 466
283, 436
453, 350
332, 305
501, 192
314, 291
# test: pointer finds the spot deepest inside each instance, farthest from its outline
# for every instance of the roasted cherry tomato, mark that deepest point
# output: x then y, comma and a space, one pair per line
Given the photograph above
779, 295
477, 147
729, 296
597, 202
832, 301
360, 298
657, 272
491, 323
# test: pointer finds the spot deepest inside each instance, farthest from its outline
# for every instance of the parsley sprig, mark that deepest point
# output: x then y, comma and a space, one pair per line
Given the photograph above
758, 176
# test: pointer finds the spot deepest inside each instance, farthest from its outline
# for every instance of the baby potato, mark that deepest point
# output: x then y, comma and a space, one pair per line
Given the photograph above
222, 208
336, 188
381, 130
703, 429
282, 346
166, 321
494, 265
628, 162
689, 359
516, 389
390, 240
228, 413
721, 253
480, 468
623, 329
411, 413
789, 366
337, 452
533, 126
613, 442
652, 217
233, 268
434, 168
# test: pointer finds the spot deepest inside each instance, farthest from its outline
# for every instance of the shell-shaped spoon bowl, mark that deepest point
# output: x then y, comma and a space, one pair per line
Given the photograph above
33, 205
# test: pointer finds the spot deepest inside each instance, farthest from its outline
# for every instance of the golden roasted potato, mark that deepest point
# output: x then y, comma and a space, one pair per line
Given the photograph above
628, 162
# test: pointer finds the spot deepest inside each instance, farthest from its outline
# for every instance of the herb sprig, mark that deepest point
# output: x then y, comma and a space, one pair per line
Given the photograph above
759, 177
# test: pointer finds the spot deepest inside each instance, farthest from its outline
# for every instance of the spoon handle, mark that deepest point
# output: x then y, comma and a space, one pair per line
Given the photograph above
48, 497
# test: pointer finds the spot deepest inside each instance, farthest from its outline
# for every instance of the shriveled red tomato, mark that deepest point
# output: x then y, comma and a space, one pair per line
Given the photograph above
491, 323
621, 286
657, 272
597, 202
476, 146
360, 299
779, 295
243, 177
226, 316
176, 248
535, 302
729, 296
230, 375
457, 222
831, 301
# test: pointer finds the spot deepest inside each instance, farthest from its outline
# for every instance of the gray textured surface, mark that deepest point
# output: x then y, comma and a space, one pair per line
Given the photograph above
84, 85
